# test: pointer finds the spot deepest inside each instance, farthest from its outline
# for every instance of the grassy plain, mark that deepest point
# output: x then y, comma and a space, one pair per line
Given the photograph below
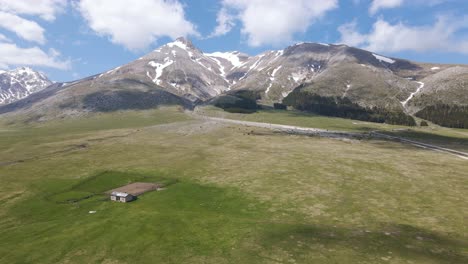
445, 137
239, 194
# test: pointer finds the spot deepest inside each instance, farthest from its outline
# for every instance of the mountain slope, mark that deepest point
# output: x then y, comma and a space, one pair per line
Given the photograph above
445, 86
20, 83
180, 73
332, 70
177, 67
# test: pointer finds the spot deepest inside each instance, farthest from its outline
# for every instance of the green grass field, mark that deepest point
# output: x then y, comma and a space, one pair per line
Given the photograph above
234, 197
445, 137
102, 182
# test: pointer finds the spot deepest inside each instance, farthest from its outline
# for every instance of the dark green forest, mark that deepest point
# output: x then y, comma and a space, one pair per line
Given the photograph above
243, 101
446, 115
343, 107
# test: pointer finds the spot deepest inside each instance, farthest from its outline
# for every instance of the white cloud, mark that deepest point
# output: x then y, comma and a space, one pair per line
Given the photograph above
46, 9
274, 21
444, 36
54, 53
225, 23
26, 29
137, 24
350, 35
376, 5
4, 38
12, 12
12, 55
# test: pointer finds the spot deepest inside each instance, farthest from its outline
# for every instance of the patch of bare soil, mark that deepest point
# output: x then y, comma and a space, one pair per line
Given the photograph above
137, 188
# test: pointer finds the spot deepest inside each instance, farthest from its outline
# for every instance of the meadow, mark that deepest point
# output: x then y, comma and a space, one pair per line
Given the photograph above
236, 194
441, 136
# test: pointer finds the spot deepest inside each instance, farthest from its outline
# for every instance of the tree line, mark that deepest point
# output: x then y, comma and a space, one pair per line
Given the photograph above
454, 116
343, 107
243, 101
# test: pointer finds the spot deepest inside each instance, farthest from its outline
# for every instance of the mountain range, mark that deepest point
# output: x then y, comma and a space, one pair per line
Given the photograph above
20, 83
180, 73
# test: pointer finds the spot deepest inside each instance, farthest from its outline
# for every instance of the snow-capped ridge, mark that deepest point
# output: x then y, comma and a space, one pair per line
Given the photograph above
21, 82
182, 43
232, 56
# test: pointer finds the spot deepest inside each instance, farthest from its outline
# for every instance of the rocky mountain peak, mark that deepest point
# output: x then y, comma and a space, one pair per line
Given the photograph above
185, 41
21, 82
182, 43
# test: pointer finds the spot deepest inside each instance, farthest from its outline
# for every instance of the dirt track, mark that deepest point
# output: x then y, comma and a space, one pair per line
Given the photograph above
335, 134
457, 153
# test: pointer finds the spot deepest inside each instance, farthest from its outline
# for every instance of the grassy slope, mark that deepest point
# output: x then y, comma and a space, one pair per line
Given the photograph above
258, 198
296, 118
441, 136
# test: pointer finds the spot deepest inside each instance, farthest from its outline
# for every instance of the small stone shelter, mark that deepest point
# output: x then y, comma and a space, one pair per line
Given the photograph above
122, 197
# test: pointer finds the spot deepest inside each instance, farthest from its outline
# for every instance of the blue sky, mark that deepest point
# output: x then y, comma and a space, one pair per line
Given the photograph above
72, 39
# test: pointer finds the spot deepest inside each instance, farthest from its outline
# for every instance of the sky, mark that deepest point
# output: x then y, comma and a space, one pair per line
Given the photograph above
73, 39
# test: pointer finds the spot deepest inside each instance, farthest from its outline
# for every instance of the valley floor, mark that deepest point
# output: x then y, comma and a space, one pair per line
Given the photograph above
238, 194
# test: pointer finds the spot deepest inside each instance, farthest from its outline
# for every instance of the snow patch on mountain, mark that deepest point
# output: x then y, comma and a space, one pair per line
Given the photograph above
285, 94
278, 54
221, 67
255, 65
198, 60
273, 73
178, 43
382, 58
268, 89
159, 68
298, 76
348, 87
405, 102
232, 57
112, 71
20, 83
276, 70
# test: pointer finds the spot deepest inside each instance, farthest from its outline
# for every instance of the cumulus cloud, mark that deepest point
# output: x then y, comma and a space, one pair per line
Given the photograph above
12, 55
442, 36
137, 24
46, 9
376, 5
272, 21
11, 19
26, 29
225, 22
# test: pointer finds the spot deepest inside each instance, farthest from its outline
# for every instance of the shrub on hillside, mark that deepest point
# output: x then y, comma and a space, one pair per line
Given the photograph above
238, 102
280, 106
